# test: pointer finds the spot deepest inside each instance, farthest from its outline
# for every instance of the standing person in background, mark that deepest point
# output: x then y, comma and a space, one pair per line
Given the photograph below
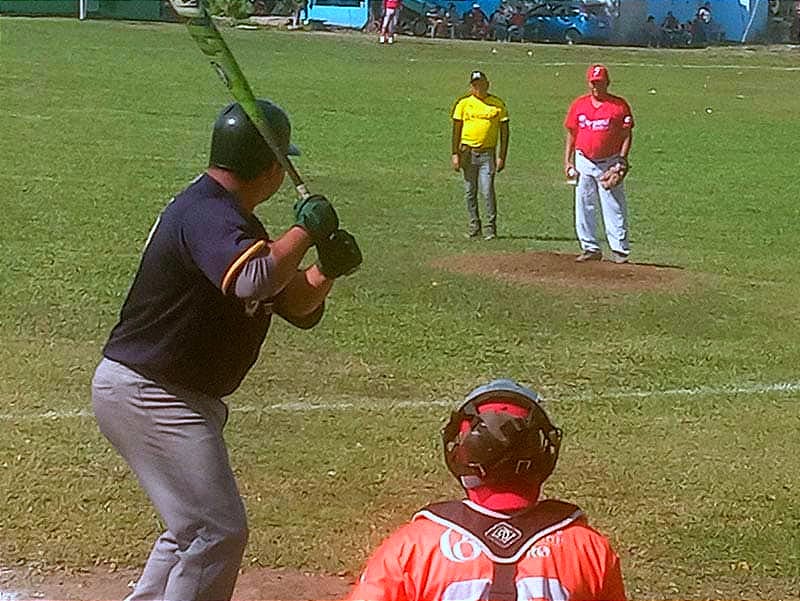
192, 325
391, 14
504, 541
599, 135
480, 121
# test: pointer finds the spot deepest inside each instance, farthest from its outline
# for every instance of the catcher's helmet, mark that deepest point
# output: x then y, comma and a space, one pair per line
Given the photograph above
237, 145
500, 446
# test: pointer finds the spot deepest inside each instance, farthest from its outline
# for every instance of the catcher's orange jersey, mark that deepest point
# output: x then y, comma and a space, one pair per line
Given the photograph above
427, 560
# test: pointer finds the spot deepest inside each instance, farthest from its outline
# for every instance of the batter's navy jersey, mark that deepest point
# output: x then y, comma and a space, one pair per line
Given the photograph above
181, 322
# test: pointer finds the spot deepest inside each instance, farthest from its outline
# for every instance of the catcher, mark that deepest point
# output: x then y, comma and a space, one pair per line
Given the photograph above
503, 542
599, 134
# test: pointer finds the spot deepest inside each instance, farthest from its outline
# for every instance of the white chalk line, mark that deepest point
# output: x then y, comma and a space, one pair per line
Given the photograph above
378, 404
678, 66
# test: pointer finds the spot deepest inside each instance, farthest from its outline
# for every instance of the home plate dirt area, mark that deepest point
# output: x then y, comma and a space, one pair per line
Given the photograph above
106, 583
560, 270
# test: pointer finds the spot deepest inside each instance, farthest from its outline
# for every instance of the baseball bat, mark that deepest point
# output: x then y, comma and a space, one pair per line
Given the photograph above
211, 43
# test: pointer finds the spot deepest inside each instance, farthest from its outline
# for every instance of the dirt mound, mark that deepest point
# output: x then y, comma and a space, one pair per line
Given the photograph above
561, 270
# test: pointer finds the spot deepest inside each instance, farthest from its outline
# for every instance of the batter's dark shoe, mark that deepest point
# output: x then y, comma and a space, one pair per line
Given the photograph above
474, 233
619, 257
490, 236
589, 255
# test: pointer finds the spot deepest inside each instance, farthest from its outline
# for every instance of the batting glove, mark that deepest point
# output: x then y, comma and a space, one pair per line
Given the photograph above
316, 216
338, 255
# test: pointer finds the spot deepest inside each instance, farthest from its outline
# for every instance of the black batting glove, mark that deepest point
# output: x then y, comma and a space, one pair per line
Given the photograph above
338, 255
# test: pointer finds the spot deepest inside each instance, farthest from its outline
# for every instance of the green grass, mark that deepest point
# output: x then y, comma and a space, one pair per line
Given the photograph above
103, 122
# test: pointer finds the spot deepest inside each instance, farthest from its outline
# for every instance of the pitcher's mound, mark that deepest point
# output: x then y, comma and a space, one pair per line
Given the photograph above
561, 270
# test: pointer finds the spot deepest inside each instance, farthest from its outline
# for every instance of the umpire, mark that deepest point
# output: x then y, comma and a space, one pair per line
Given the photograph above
190, 329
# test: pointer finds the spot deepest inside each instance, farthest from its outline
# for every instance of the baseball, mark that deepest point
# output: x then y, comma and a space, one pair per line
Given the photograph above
571, 172
530, 52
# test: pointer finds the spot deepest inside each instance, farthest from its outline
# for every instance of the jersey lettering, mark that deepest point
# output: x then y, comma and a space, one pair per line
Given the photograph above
594, 124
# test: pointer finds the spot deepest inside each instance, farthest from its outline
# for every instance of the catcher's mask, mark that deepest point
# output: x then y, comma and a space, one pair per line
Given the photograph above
511, 440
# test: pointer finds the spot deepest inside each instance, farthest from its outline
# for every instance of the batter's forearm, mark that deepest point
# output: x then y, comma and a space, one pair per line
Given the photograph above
304, 294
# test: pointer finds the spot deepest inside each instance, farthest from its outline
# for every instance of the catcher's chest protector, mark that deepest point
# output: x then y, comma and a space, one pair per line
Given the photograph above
504, 539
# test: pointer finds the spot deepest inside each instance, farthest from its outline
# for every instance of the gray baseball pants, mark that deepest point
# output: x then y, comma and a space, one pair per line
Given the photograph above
478, 174
172, 440
588, 194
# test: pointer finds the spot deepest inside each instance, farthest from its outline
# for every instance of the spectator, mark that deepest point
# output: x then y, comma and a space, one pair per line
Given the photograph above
503, 541
652, 33
794, 33
516, 27
300, 13
391, 13
451, 16
498, 25
436, 20
669, 28
684, 36
479, 23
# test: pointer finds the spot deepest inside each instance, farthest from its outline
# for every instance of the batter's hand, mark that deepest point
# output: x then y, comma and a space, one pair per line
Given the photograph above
316, 216
456, 160
500, 164
338, 255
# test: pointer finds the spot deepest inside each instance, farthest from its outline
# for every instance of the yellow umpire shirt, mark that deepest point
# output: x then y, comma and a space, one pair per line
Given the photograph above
481, 120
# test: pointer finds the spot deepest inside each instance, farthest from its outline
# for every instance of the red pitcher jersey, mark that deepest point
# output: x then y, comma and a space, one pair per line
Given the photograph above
435, 558
599, 131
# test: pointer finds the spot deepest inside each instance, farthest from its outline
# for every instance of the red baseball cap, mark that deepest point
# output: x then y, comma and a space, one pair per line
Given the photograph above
597, 72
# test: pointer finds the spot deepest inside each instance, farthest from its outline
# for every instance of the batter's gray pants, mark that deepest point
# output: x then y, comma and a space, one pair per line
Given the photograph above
588, 194
478, 171
172, 440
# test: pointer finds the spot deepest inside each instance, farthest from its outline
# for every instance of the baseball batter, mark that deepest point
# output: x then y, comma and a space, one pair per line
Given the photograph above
209, 281
502, 542
599, 134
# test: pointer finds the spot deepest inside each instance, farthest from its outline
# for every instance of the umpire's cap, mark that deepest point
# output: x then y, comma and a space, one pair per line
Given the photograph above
237, 145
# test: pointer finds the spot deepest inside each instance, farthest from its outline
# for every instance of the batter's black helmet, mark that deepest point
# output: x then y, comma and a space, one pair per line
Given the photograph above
237, 146
500, 446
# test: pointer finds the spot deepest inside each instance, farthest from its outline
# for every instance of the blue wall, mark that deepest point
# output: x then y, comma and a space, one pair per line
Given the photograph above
343, 16
733, 16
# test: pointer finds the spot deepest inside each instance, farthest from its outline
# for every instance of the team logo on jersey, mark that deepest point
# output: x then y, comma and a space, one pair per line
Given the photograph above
593, 124
465, 548
503, 534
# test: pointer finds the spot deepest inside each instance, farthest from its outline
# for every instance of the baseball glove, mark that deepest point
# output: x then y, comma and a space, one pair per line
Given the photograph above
613, 176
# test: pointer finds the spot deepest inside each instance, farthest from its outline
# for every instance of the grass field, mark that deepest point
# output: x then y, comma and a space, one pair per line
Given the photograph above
677, 443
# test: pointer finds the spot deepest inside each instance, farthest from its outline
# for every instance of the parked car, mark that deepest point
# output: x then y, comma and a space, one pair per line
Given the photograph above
570, 23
